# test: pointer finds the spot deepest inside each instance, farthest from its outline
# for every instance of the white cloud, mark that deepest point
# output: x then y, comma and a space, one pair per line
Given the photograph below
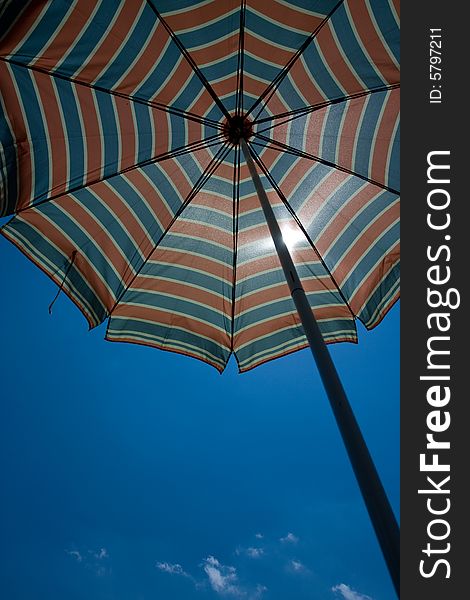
101, 554
297, 566
290, 538
259, 536
254, 552
349, 594
92, 560
223, 579
172, 569
251, 552
76, 554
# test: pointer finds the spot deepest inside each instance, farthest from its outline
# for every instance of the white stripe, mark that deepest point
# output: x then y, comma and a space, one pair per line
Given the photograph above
64, 129
379, 31
47, 135
172, 311
373, 140
206, 24
110, 64
186, 10
78, 39
100, 127
357, 133
28, 132
90, 58
368, 249
53, 269
390, 149
165, 343
81, 119
30, 31
8, 121
41, 52
136, 59
359, 41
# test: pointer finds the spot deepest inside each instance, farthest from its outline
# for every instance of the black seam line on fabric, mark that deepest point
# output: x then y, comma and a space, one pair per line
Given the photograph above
280, 146
236, 206
304, 231
214, 163
240, 60
301, 112
156, 105
181, 151
190, 60
269, 91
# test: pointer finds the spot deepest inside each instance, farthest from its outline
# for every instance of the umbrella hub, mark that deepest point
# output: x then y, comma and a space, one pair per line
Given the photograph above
238, 127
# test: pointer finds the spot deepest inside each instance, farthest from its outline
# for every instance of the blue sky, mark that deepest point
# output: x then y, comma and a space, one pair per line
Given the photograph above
134, 474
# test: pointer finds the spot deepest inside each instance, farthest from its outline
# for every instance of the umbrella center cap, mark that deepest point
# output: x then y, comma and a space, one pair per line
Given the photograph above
238, 127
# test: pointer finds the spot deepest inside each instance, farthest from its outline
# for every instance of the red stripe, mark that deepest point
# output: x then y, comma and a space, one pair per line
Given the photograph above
291, 319
336, 64
265, 51
201, 231
168, 256
144, 342
66, 37
298, 346
362, 294
19, 32
127, 138
55, 132
178, 289
384, 138
92, 131
364, 242
100, 59
372, 42
198, 16
171, 320
153, 198
286, 16
58, 280
349, 131
56, 236
341, 218
145, 64
15, 115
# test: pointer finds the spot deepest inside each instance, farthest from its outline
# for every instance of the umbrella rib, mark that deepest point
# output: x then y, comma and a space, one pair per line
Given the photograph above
156, 105
194, 146
190, 60
214, 163
299, 153
301, 112
240, 59
272, 87
302, 228
236, 207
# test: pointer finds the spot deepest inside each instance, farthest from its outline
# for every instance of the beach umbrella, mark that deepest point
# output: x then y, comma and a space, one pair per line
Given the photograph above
211, 178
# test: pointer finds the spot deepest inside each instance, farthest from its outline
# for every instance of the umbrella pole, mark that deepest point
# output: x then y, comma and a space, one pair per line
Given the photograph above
378, 506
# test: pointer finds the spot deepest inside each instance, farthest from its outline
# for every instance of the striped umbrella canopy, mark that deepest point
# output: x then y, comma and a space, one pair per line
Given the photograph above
127, 131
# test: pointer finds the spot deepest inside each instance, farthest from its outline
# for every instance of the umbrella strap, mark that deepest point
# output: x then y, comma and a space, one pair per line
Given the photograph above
71, 261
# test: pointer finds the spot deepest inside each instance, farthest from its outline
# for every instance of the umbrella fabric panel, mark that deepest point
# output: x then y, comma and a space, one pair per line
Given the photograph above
357, 49
266, 323
118, 46
71, 135
205, 293
110, 228
272, 33
360, 135
353, 224
181, 299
